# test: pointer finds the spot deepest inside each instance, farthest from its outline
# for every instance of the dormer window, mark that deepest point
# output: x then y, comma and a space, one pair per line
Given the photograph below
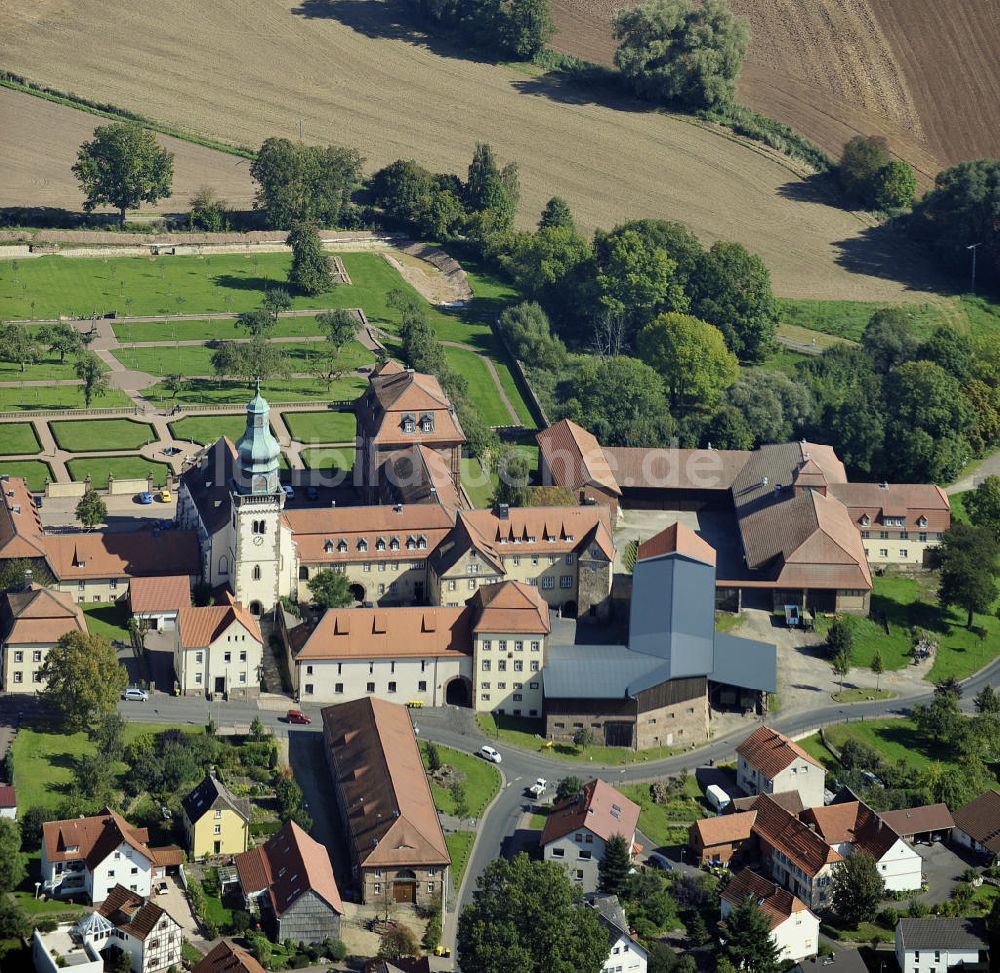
342, 546
427, 422
380, 544
421, 542
921, 521
394, 544
328, 546
409, 424
411, 543
865, 520
362, 545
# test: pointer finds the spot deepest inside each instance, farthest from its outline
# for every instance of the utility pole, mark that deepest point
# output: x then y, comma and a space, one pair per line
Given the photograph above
974, 247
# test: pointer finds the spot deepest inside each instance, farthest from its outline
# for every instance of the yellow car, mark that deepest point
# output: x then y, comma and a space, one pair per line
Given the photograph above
164, 496
442, 951
415, 704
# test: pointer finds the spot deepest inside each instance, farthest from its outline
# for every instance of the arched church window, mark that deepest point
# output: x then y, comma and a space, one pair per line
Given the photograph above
256, 572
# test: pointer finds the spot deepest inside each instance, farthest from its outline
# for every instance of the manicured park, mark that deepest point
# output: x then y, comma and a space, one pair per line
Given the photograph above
207, 429
322, 427
17, 439
96, 435
99, 468
33, 471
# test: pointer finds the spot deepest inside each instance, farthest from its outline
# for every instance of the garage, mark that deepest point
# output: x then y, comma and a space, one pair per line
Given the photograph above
156, 601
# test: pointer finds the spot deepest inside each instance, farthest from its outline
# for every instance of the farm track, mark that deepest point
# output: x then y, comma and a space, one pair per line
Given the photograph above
355, 73
924, 74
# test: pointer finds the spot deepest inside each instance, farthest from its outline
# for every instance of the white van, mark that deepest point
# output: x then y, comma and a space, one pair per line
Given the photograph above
717, 797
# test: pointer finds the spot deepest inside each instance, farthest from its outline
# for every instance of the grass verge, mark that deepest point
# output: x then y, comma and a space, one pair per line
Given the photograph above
481, 779
460, 848
862, 695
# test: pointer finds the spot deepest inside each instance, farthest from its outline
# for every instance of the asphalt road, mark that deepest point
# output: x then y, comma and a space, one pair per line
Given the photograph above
496, 830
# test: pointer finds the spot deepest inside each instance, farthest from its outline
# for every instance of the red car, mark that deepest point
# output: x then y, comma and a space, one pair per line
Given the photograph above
297, 716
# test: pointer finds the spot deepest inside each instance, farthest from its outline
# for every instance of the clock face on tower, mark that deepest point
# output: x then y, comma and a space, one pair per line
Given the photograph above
258, 540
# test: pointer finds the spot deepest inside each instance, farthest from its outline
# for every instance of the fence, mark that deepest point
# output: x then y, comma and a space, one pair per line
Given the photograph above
134, 410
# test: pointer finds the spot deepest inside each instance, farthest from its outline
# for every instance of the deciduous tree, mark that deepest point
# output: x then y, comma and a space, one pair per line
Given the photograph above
18, 346
983, 505
208, 213
568, 787
557, 214
93, 373
123, 166
857, 887
513, 474
895, 186
728, 429
330, 589
966, 558
63, 338
310, 271
82, 678
841, 665
91, 509
862, 160
526, 916
12, 865
888, 339
877, 667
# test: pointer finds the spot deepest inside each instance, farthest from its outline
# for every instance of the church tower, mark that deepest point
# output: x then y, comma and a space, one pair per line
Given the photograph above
263, 548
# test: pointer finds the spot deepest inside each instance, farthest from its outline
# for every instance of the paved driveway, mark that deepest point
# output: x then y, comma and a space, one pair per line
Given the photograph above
943, 867
174, 902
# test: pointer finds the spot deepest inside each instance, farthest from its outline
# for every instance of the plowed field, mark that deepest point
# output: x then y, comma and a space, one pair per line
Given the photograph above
924, 73
353, 72
40, 141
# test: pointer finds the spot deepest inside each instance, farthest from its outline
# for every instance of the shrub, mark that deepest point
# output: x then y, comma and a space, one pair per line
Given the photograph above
432, 934
208, 212
335, 949
887, 918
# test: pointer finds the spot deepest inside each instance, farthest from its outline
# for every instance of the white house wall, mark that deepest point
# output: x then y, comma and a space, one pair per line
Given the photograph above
626, 956
337, 681
900, 868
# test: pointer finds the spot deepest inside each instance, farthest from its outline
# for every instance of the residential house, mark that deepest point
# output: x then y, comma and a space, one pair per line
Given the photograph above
90, 856
655, 691
227, 957
215, 822
718, 840
625, 953
794, 855
931, 822
578, 829
419, 474
156, 601
769, 763
398, 852
939, 945
218, 650
400, 409
32, 621
571, 457
289, 881
146, 933
8, 802
977, 824
794, 929
852, 826
75, 945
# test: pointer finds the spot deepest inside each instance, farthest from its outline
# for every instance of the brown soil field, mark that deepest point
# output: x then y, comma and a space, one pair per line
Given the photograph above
40, 141
354, 72
924, 73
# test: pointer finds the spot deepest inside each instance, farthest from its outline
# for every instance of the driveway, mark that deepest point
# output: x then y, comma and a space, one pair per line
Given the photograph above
175, 903
943, 868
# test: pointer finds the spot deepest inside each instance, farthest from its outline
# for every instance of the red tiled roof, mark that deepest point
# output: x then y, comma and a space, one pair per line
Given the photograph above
123, 554
777, 904
677, 539
574, 457
675, 469
378, 771
770, 752
392, 395
227, 957
916, 820
725, 829
39, 616
8, 796
793, 838
510, 606
540, 530
200, 627
160, 594
599, 808
21, 534
980, 820
854, 822
909, 500
132, 913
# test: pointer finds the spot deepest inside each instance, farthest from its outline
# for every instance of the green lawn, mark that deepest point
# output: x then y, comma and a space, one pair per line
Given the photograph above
847, 319
459, 847
958, 511
482, 389
906, 603
523, 732
983, 315
329, 457
207, 429
209, 329
33, 471
893, 739
784, 359
108, 619
863, 695
121, 467
482, 781
92, 435
56, 398
322, 427
660, 822
477, 484
513, 391
48, 908
47, 367
276, 390
44, 760
18, 438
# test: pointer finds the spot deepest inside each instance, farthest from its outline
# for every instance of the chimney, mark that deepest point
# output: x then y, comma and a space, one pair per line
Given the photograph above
764, 482
28, 575
398, 508
503, 511
883, 485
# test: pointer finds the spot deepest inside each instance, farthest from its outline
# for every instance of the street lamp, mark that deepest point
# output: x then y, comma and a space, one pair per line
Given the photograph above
37, 886
974, 247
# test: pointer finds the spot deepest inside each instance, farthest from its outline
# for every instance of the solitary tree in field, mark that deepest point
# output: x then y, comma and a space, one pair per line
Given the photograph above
967, 559
123, 166
63, 338
330, 589
276, 300
83, 679
18, 346
91, 510
877, 667
310, 271
90, 371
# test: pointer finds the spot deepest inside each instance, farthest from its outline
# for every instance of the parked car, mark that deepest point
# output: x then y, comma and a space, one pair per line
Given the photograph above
538, 788
488, 753
656, 860
39, 500
717, 797
289, 492
297, 716
312, 493
136, 695
164, 495
144, 498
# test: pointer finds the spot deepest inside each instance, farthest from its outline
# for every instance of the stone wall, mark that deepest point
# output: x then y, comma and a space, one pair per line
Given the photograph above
594, 588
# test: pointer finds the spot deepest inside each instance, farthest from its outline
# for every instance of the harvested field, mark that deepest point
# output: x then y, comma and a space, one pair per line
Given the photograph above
923, 73
354, 71
40, 143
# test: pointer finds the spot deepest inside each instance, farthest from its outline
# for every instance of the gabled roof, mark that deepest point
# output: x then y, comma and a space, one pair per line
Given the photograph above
39, 616
348, 633
541, 530
510, 606
916, 820
725, 829
21, 534
770, 752
198, 628
159, 594
599, 808
212, 795
420, 474
980, 820
8, 796
132, 913
852, 822
574, 457
677, 539
123, 554
675, 469
776, 904
209, 483
793, 838
287, 865
791, 801
227, 957
93, 838
390, 813
908, 500
394, 394
940, 934
612, 916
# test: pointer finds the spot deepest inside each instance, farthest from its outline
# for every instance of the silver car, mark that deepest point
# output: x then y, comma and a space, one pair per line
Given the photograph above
135, 695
